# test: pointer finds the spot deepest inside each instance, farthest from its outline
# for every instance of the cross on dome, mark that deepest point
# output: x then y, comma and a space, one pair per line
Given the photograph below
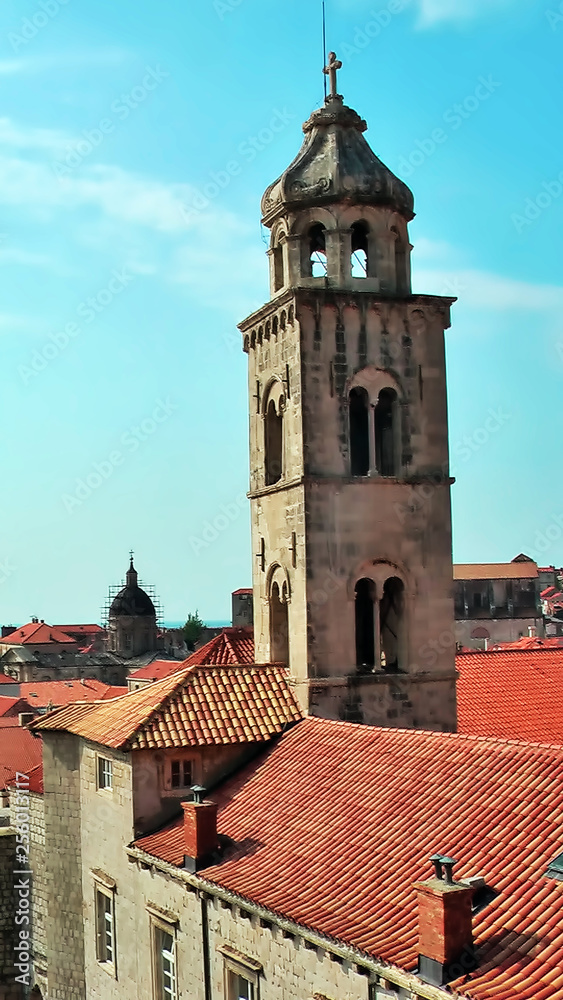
331, 71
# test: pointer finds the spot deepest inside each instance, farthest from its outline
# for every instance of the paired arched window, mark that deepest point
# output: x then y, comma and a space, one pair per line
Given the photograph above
374, 433
380, 625
360, 250
317, 251
279, 624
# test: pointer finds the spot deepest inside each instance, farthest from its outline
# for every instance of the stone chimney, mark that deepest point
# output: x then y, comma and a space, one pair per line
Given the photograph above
445, 930
200, 831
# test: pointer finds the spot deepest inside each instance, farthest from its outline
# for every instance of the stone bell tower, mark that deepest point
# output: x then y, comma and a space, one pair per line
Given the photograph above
349, 471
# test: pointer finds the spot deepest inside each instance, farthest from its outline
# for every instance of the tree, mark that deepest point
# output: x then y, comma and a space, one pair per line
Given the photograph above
193, 629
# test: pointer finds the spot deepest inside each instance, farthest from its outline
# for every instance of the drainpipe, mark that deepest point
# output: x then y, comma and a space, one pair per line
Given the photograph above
208, 994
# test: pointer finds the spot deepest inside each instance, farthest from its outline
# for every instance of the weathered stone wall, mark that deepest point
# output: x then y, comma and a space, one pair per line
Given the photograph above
9, 989
65, 937
34, 807
154, 801
499, 629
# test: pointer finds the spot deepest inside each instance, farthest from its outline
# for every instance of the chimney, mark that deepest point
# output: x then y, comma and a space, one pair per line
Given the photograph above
200, 830
445, 931
532, 631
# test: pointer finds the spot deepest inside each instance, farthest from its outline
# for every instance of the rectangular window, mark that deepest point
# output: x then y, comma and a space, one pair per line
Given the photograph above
239, 987
105, 773
105, 927
164, 963
181, 774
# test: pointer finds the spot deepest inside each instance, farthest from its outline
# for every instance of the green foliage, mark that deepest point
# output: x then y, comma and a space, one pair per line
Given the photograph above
193, 629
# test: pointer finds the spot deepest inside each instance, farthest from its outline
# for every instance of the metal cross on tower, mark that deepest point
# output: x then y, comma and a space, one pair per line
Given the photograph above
331, 71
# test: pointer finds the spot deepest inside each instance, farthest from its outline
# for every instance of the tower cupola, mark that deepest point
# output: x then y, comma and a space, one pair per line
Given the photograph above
338, 213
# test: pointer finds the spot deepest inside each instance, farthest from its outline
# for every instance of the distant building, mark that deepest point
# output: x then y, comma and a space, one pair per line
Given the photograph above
242, 607
132, 620
497, 602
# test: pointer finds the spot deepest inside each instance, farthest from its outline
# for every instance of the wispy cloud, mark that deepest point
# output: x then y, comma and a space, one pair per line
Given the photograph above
435, 11
64, 61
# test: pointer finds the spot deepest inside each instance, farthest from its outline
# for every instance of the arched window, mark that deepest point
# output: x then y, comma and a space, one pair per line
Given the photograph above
279, 625
273, 434
360, 249
385, 416
317, 251
359, 431
391, 624
365, 624
279, 277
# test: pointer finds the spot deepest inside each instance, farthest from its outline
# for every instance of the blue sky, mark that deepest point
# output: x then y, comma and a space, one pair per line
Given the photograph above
134, 149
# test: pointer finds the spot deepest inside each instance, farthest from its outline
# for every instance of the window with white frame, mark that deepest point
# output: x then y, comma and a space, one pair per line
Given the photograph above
163, 936
105, 927
105, 773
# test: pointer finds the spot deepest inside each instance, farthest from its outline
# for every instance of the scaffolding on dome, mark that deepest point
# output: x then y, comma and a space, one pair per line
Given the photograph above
113, 591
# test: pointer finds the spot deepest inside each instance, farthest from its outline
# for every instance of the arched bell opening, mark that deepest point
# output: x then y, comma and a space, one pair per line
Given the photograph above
359, 261
273, 443
317, 266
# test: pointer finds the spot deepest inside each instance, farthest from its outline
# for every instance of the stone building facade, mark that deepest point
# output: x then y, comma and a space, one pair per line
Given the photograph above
349, 466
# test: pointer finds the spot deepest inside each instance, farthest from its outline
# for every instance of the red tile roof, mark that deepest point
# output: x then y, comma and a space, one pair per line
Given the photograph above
19, 751
195, 706
495, 571
41, 694
35, 783
530, 642
242, 590
335, 823
6, 679
512, 694
37, 634
232, 645
12, 706
80, 629
156, 670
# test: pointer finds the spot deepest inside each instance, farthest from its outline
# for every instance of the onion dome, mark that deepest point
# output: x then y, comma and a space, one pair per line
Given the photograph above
132, 601
335, 164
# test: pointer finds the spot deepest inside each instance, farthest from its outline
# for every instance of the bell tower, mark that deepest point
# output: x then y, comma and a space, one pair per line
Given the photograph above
349, 469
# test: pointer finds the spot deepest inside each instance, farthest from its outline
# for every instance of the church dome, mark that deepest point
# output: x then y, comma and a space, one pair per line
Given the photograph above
132, 601
335, 164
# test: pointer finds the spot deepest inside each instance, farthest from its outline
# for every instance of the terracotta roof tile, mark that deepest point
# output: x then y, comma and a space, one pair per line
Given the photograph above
41, 694
232, 645
37, 634
512, 694
184, 709
19, 751
495, 571
334, 824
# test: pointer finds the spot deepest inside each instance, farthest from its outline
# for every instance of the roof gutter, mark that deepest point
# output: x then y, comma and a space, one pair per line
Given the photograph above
365, 964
